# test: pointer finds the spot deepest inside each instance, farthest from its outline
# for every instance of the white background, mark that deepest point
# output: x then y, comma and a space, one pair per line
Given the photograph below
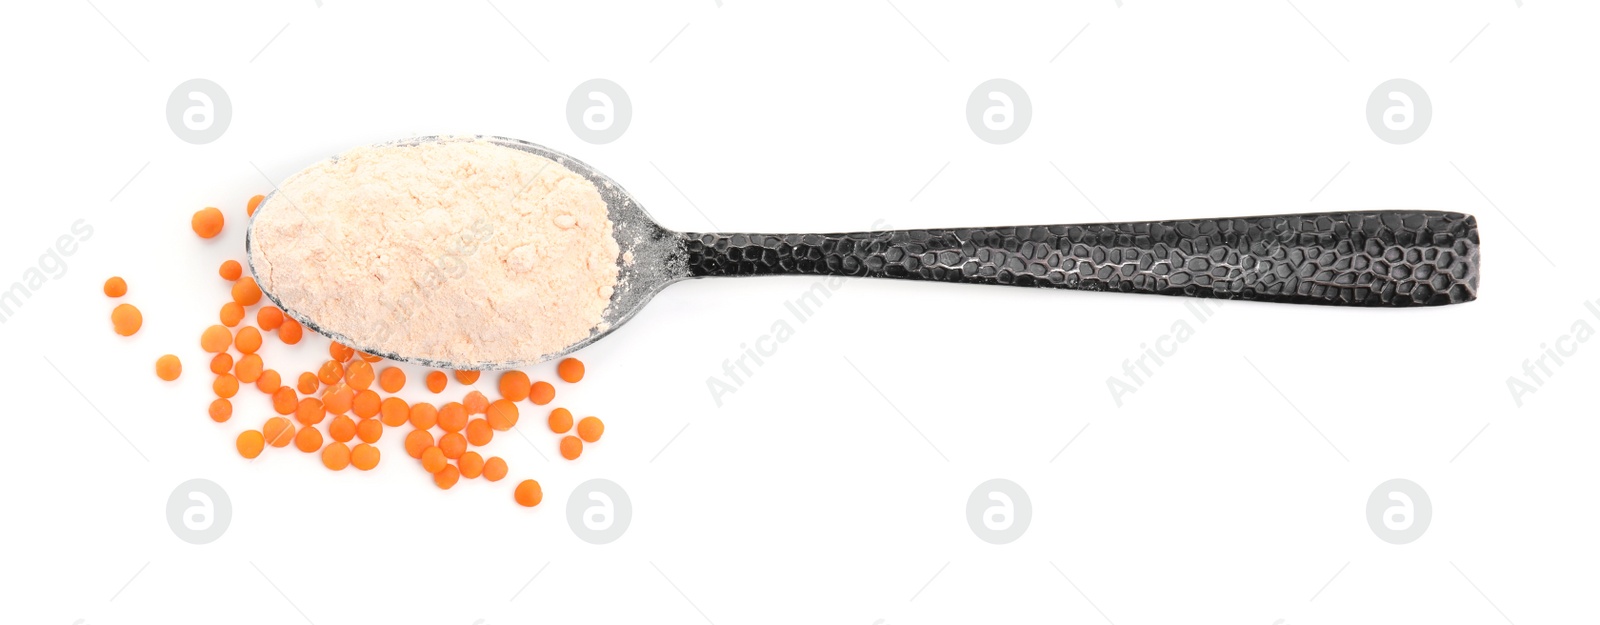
809, 495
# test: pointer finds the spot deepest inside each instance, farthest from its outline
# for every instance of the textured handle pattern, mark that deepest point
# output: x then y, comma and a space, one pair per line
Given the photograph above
1377, 258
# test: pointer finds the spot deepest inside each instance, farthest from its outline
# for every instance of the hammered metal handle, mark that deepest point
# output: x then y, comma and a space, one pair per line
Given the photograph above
1375, 258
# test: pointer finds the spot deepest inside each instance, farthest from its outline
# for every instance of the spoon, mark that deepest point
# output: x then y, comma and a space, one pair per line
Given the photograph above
1396, 258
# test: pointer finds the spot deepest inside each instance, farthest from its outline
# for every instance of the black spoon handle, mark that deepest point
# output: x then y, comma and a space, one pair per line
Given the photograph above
1374, 258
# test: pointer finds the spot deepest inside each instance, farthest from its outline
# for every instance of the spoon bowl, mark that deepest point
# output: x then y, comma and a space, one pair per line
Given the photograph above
651, 257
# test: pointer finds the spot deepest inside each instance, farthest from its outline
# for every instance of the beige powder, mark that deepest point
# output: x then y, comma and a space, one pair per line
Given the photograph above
457, 251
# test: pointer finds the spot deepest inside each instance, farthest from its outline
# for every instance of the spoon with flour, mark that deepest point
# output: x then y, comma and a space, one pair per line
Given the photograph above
493, 253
